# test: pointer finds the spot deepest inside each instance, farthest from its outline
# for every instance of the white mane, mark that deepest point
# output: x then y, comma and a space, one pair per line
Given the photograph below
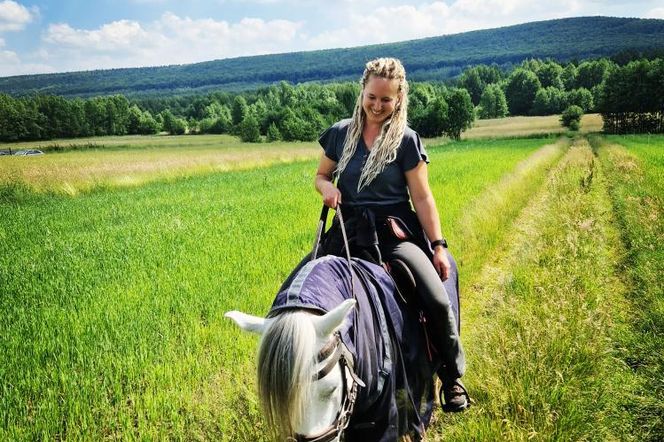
286, 366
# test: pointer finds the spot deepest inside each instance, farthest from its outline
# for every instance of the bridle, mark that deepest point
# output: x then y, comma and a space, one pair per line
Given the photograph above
335, 352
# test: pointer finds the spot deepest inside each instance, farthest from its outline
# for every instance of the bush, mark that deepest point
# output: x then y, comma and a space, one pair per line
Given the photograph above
571, 117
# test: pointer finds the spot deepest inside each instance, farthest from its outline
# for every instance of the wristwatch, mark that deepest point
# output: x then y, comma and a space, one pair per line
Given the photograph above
439, 242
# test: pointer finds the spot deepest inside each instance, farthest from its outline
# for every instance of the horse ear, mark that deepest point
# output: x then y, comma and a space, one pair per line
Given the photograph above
333, 319
249, 323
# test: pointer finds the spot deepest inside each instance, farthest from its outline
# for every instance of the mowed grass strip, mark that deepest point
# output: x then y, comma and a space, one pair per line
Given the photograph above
636, 167
483, 223
112, 304
542, 337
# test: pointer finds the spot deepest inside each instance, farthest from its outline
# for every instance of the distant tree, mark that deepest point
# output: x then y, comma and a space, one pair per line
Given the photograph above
581, 97
548, 101
460, 114
239, 110
172, 124
471, 81
249, 130
520, 91
632, 99
134, 119
432, 121
571, 117
347, 94
493, 103
273, 133
549, 74
568, 77
147, 124
593, 73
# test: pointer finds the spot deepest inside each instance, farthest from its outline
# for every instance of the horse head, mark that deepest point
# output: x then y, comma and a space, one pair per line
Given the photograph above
306, 382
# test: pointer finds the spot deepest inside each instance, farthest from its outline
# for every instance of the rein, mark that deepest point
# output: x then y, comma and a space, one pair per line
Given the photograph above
335, 350
319, 235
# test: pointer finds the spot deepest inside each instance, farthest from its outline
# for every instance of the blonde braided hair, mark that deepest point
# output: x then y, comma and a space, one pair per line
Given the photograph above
384, 149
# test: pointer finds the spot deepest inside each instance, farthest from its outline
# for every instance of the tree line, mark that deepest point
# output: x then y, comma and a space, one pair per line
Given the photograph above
628, 96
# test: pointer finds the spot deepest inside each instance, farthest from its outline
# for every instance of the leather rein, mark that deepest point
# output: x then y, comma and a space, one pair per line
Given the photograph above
335, 352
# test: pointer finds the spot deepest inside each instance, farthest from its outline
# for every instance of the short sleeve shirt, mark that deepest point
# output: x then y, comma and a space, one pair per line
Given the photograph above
390, 186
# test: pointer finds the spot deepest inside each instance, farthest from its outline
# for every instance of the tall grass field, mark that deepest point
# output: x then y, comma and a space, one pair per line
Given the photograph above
112, 295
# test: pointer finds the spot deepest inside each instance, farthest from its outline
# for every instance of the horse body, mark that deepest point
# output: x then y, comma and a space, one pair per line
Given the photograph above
385, 350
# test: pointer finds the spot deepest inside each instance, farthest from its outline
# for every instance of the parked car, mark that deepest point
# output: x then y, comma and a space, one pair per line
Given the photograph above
29, 152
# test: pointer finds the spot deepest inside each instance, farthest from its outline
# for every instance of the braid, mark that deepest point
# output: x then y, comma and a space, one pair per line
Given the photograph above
384, 149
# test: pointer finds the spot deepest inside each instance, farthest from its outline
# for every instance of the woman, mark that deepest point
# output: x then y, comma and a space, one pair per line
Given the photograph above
381, 166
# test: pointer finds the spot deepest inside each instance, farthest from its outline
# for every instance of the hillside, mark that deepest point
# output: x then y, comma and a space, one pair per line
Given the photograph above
435, 58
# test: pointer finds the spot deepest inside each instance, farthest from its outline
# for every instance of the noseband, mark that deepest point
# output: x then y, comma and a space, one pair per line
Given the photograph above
337, 353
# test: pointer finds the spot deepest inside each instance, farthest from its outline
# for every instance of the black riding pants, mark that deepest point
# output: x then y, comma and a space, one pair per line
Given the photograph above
435, 303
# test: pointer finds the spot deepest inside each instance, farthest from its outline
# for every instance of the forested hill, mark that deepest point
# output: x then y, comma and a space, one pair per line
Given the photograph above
435, 58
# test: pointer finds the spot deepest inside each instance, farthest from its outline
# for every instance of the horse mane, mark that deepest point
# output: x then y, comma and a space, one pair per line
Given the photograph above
286, 366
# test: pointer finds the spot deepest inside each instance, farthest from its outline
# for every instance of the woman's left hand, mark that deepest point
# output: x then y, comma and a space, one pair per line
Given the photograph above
441, 263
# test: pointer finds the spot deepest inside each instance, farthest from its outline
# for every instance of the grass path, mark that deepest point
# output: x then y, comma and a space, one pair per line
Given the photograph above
546, 318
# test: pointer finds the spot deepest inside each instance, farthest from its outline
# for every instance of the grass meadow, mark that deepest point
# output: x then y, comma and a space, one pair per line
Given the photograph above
112, 295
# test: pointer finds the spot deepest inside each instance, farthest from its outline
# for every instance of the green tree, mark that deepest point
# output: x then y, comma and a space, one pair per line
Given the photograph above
520, 91
581, 97
432, 121
239, 110
593, 73
571, 117
273, 133
147, 124
249, 129
471, 81
549, 75
460, 114
493, 103
568, 77
548, 101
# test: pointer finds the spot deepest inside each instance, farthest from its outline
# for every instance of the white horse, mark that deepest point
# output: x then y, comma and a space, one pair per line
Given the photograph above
327, 369
306, 383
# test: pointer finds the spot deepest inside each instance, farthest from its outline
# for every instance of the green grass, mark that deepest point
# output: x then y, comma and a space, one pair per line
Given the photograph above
112, 301
636, 165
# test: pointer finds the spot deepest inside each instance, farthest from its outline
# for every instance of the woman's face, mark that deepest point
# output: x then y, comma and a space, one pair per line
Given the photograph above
379, 98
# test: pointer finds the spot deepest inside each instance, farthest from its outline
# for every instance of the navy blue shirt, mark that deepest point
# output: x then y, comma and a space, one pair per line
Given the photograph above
390, 186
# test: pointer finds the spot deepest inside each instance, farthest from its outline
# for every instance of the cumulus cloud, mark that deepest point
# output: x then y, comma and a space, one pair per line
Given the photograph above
404, 22
169, 40
14, 16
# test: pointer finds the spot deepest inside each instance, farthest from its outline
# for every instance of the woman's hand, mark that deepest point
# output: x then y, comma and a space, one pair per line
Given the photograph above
441, 262
324, 185
331, 195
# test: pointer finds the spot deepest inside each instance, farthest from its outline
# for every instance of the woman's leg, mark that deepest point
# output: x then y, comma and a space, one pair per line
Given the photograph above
436, 305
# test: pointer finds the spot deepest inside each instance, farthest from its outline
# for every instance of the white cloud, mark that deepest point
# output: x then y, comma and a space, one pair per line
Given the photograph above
14, 16
655, 13
169, 40
404, 22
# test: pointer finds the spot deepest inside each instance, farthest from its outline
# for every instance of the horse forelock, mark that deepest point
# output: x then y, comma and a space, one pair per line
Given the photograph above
286, 366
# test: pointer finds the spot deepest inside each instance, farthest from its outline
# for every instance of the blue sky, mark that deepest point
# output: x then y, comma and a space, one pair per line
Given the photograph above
38, 36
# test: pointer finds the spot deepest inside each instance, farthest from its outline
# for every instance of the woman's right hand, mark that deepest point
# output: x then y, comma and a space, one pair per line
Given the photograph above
331, 196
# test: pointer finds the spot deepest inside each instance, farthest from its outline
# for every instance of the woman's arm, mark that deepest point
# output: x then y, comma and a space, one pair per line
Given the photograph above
417, 179
323, 182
